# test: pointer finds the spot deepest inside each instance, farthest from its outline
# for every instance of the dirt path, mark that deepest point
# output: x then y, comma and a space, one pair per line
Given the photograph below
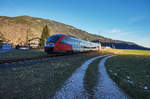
106, 88
73, 87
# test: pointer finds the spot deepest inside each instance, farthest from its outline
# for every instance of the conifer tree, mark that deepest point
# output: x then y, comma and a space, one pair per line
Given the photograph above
44, 36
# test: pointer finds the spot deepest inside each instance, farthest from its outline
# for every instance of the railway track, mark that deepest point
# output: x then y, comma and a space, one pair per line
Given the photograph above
23, 62
3, 61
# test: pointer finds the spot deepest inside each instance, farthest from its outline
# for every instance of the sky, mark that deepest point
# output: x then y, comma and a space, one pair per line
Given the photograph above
127, 20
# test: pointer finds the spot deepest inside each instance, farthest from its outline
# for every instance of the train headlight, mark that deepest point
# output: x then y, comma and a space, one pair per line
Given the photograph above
51, 44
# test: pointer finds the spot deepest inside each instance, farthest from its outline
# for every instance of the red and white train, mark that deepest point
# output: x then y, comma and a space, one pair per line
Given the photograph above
66, 43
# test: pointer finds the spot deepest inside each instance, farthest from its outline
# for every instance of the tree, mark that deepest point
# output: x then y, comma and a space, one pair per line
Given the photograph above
44, 36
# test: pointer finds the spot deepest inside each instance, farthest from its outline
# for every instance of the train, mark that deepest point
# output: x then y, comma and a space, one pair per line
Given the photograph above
61, 43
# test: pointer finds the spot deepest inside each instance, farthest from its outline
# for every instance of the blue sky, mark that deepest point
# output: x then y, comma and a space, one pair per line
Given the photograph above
127, 20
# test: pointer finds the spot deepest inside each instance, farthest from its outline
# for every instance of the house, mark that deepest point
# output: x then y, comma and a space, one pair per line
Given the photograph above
34, 43
6, 46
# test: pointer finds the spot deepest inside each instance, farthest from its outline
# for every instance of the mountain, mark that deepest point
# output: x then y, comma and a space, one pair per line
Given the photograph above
124, 46
19, 29
16, 29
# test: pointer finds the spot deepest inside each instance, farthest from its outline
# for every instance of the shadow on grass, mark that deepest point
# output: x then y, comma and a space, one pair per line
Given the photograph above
133, 74
39, 81
91, 77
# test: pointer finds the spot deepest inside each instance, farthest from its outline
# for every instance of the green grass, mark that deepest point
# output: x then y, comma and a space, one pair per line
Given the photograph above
126, 52
22, 54
39, 81
133, 72
91, 77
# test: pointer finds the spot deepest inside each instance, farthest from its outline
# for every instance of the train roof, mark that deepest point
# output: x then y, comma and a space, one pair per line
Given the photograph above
62, 35
58, 35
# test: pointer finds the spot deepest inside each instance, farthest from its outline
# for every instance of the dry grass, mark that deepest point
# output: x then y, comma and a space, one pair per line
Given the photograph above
39, 81
91, 77
22, 54
126, 52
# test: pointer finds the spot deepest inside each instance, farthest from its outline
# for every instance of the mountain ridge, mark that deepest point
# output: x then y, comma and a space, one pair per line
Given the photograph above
16, 29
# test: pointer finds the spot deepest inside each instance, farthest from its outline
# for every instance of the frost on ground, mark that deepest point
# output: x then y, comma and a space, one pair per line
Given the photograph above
73, 87
106, 88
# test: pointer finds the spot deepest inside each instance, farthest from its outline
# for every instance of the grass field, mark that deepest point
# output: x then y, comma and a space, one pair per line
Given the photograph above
91, 77
126, 52
22, 54
131, 71
39, 81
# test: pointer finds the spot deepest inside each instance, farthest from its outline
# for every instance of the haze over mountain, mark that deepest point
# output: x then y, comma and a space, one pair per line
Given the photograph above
22, 28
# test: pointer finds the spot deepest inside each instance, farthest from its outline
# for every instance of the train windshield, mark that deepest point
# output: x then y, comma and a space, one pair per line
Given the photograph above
53, 39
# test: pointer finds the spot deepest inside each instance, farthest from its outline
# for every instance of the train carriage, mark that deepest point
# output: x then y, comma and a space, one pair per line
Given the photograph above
65, 43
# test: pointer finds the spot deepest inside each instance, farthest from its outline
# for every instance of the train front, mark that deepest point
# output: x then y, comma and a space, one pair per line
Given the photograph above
51, 42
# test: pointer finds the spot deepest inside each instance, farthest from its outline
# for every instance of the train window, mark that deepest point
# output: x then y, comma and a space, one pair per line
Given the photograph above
53, 39
64, 41
68, 41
